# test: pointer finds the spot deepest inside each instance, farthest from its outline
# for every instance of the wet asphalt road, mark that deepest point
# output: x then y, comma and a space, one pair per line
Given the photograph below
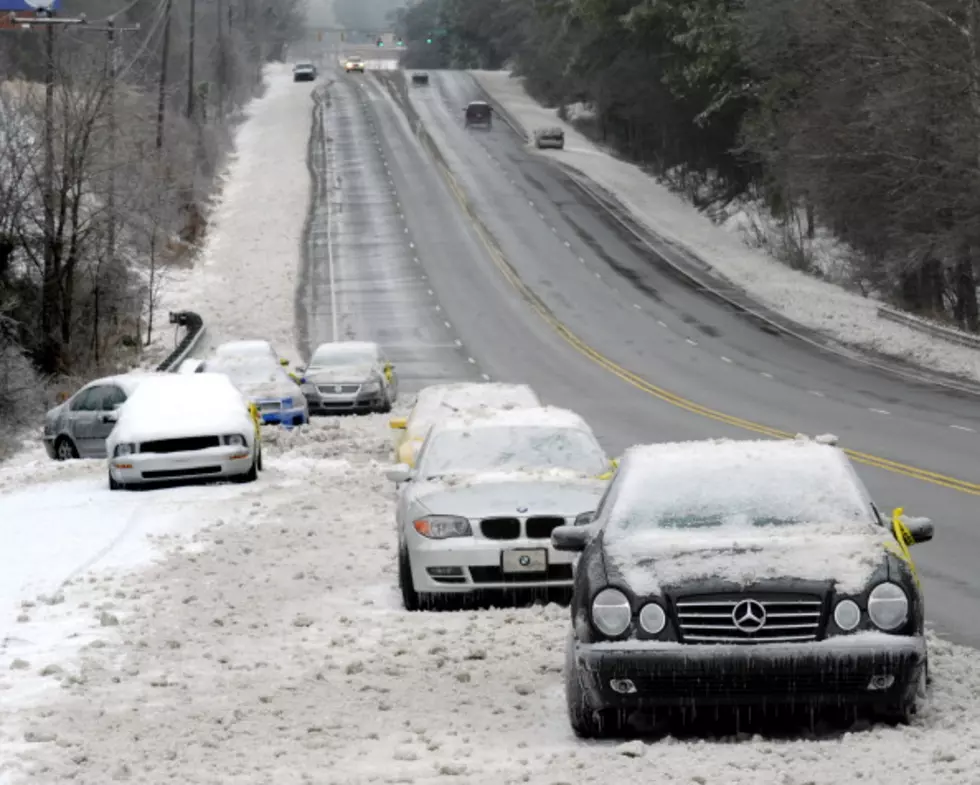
610, 293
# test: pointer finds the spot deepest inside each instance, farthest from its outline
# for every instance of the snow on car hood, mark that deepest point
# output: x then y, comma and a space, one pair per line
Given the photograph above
651, 560
340, 373
551, 492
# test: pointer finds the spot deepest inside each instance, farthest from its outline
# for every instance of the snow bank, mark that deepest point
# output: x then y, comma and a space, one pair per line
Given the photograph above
817, 304
255, 233
274, 650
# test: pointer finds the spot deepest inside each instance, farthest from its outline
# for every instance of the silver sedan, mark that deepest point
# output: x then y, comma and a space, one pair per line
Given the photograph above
478, 510
349, 377
79, 427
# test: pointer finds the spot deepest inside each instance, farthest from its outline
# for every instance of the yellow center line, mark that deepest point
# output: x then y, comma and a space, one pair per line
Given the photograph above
539, 306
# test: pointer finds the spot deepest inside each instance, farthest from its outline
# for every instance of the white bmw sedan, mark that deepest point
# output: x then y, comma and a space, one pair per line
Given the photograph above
182, 427
477, 511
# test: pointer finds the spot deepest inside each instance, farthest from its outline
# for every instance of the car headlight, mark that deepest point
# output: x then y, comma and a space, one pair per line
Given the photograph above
441, 527
371, 387
235, 440
611, 612
652, 618
123, 449
888, 606
847, 615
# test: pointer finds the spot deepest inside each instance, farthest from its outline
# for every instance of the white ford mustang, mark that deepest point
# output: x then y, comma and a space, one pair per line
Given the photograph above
477, 511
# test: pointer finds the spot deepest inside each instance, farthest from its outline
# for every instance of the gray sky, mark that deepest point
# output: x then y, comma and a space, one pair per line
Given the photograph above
320, 12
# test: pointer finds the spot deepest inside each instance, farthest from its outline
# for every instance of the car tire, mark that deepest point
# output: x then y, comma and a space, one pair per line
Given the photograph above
587, 722
258, 461
114, 485
410, 597
65, 450
252, 474
903, 711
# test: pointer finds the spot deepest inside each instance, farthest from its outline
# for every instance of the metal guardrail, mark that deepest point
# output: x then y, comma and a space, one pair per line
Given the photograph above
928, 327
194, 325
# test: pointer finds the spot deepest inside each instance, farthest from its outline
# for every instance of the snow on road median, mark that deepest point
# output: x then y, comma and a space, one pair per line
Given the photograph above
803, 298
275, 650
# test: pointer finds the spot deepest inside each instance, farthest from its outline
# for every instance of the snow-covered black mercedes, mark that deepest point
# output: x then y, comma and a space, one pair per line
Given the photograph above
742, 573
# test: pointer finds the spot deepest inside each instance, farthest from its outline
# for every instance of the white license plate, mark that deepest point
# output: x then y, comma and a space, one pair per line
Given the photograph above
525, 560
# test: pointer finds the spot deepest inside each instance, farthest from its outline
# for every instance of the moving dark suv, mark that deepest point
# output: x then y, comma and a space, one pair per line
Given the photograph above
479, 113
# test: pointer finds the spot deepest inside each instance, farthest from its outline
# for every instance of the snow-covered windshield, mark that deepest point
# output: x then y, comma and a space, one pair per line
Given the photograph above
485, 449
250, 370
680, 494
339, 354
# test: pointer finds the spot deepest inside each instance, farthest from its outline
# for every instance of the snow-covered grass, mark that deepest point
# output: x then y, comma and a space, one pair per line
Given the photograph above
818, 304
243, 283
269, 646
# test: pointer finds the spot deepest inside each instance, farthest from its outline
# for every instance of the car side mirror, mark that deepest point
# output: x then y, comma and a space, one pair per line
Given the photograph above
570, 538
913, 530
398, 423
401, 473
584, 519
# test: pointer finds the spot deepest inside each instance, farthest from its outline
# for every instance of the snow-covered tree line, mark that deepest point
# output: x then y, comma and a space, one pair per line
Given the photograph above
128, 184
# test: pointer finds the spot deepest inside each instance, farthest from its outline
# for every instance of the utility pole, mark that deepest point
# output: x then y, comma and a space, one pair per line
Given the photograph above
164, 62
190, 62
222, 60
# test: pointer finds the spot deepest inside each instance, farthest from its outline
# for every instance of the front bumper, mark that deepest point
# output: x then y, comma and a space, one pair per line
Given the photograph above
287, 417
833, 673
212, 463
357, 403
479, 565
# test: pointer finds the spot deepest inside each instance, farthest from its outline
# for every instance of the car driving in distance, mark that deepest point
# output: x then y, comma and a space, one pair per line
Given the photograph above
553, 137
349, 377
478, 113
184, 427
439, 401
304, 72
256, 370
78, 427
354, 64
477, 512
742, 574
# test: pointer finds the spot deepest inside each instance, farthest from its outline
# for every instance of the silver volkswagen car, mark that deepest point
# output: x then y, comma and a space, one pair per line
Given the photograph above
349, 376
79, 427
477, 512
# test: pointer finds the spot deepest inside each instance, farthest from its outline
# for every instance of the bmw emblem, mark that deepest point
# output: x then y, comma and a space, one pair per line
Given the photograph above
524, 561
522, 509
338, 388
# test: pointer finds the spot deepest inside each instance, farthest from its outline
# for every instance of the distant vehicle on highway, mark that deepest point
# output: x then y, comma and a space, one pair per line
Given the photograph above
354, 64
441, 401
78, 427
420, 78
349, 377
742, 574
549, 137
304, 72
478, 113
184, 427
477, 512
256, 370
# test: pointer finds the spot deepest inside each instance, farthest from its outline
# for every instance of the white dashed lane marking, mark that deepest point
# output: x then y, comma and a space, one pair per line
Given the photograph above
879, 411
963, 428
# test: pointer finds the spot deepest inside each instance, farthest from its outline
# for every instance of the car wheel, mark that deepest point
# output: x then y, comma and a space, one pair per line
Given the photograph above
64, 449
587, 722
258, 461
902, 711
410, 597
252, 474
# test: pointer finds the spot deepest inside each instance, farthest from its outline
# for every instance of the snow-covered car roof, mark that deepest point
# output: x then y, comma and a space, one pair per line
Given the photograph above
245, 348
442, 400
790, 480
539, 416
127, 381
352, 348
177, 405
303, 66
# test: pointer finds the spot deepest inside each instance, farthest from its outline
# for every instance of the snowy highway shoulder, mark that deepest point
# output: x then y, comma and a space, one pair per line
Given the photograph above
268, 645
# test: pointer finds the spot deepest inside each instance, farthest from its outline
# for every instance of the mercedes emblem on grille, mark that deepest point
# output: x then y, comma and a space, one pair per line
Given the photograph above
524, 561
522, 509
749, 616
338, 388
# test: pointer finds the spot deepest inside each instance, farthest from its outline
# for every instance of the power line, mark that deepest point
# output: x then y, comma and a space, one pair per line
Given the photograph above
161, 5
